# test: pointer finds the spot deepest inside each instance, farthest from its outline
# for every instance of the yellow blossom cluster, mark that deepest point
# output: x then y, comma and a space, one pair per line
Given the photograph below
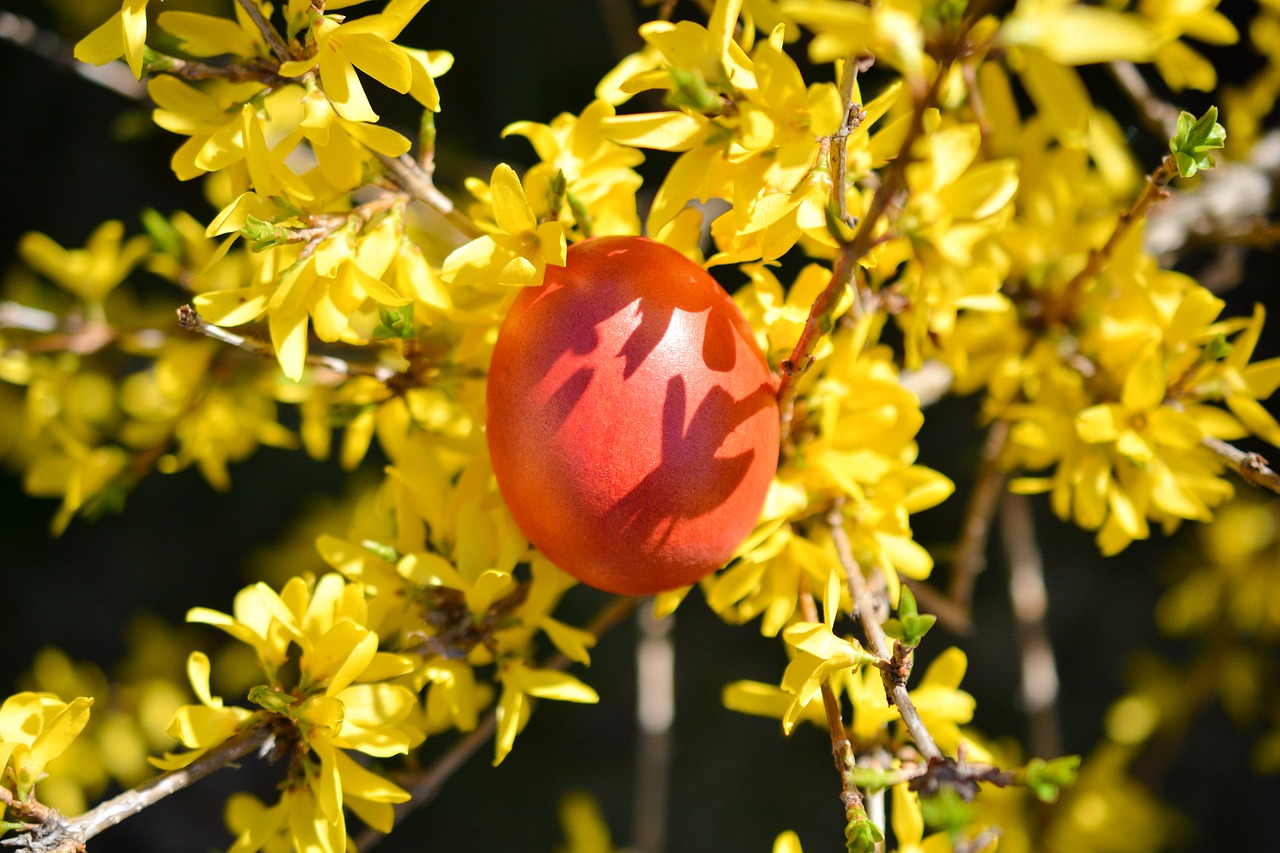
131, 715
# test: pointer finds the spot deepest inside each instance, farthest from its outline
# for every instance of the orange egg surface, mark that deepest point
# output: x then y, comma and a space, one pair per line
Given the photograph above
632, 419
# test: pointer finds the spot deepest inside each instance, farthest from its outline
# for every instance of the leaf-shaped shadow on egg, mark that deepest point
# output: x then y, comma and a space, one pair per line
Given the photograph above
690, 479
583, 330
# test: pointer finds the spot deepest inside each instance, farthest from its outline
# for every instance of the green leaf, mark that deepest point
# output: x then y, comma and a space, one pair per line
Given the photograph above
911, 625
1195, 138
1218, 348
166, 238
1046, 779
557, 188
109, 500
263, 235
381, 549
689, 89
580, 214
946, 810
275, 701
871, 780
394, 322
861, 835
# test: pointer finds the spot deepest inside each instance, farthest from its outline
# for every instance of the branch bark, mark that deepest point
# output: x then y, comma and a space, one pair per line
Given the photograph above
268, 30
893, 183
655, 713
1063, 309
405, 173
62, 835
1030, 600
1252, 467
191, 320
971, 554
865, 609
841, 749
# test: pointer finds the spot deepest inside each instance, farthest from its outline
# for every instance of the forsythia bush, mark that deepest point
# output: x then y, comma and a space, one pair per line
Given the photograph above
913, 199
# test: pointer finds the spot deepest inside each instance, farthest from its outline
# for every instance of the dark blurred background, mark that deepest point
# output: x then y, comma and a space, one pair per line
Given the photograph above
73, 154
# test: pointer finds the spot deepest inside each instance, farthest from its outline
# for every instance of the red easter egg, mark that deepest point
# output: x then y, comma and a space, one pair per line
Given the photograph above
632, 419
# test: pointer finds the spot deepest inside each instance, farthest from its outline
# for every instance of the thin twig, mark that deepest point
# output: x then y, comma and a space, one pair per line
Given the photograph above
191, 320
427, 786
854, 115
1230, 205
269, 32
847, 258
58, 334
321, 226
962, 775
1252, 467
258, 70
864, 607
974, 93
877, 758
1030, 603
971, 553
655, 713
841, 749
802, 355
15, 315
405, 173
1160, 116
47, 45
1063, 309
117, 809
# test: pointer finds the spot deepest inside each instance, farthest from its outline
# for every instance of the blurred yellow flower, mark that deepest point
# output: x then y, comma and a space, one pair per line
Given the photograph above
90, 273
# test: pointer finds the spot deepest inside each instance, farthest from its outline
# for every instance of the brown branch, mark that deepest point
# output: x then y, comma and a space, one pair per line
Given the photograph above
1230, 205
1252, 467
190, 319
262, 71
864, 239
73, 333
268, 30
1027, 594
15, 315
865, 609
655, 713
115, 76
971, 553
37, 827
321, 226
406, 174
1160, 116
974, 93
802, 355
428, 785
841, 749
129, 803
57, 834
1063, 309
854, 115
960, 774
